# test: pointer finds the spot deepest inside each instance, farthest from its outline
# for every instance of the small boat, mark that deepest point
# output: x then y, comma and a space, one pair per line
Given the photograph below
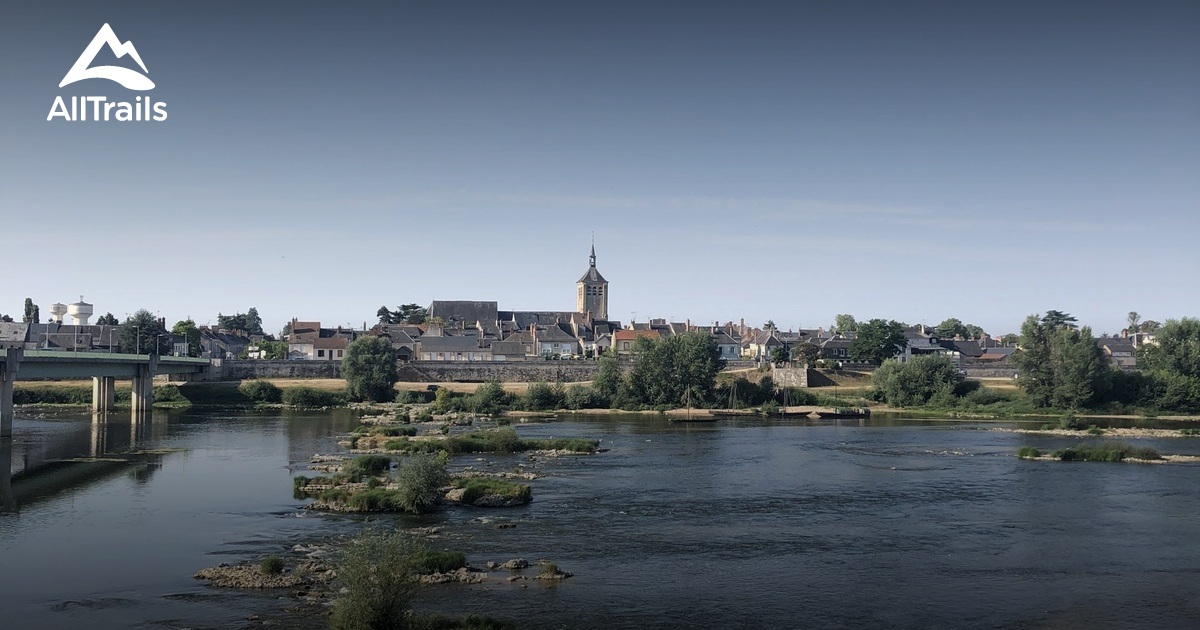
846, 412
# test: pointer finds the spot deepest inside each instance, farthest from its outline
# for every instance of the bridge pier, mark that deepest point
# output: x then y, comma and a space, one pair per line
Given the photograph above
8, 374
143, 393
104, 393
6, 405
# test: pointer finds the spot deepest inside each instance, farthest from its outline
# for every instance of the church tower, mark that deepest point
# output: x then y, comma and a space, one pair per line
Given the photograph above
592, 291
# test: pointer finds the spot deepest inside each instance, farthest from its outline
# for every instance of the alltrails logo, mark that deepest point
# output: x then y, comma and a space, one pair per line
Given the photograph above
99, 107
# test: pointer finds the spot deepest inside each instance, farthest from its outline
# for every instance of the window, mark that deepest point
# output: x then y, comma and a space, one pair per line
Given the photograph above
321, 353
339, 354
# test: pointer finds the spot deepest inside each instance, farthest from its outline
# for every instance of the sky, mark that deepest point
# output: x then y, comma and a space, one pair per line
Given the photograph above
759, 160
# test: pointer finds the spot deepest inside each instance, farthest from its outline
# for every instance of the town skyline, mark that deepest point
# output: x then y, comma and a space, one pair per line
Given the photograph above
759, 161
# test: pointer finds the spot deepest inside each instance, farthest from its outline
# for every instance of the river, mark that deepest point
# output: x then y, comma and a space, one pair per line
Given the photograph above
742, 523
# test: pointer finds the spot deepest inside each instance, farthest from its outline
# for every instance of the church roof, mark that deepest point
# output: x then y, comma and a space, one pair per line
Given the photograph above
592, 276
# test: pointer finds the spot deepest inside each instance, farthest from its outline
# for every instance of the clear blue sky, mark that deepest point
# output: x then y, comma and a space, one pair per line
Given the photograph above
775, 160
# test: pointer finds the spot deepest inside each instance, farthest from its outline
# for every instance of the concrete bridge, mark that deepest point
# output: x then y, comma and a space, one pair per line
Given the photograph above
103, 368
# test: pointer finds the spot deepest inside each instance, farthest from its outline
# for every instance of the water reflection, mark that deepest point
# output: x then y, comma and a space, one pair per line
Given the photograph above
48, 461
7, 502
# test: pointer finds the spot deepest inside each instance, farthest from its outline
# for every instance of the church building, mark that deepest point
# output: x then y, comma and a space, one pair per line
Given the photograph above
592, 290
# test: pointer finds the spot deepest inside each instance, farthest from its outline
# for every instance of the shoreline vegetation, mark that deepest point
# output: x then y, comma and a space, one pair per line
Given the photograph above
984, 402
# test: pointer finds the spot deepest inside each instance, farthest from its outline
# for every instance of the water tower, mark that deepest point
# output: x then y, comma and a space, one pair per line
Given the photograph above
80, 311
57, 310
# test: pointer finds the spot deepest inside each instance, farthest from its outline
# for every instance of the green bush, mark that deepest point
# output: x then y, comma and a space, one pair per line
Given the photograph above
53, 395
421, 479
334, 495
168, 394
441, 562
309, 397
261, 391
378, 572
1028, 452
584, 397
476, 488
1106, 452
543, 397
1189, 431
376, 500
397, 431
489, 398
548, 569
923, 380
271, 565
367, 465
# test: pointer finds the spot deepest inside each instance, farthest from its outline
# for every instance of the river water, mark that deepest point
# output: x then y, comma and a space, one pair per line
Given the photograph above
741, 523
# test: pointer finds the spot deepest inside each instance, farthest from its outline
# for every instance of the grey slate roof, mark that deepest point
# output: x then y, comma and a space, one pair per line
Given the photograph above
463, 311
508, 348
592, 276
448, 344
13, 333
555, 334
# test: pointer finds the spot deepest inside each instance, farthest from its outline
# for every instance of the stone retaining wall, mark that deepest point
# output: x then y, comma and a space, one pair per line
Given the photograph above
504, 371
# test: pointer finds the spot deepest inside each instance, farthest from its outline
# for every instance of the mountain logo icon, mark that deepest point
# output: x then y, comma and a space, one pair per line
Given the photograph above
128, 78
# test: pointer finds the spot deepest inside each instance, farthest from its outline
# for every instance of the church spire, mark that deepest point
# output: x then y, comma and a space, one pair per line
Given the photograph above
592, 258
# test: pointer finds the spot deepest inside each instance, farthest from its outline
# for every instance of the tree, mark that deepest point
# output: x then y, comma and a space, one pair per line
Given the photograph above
188, 330
369, 368
807, 352
769, 325
877, 341
1079, 368
410, 314
404, 314
1011, 339
1060, 365
1036, 372
107, 319
1150, 326
951, 328
844, 323
1134, 322
1058, 319
1173, 363
779, 355
249, 322
608, 379
143, 333
7, 319
973, 331
918, 381
676, 370
32, 312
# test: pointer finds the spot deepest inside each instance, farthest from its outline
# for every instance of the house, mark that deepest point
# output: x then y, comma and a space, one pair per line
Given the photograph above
56, 336
400, 337
837, 348
455, 348
1119, 352
12, 335
223, 344
624, 340
759, 344
555, 340
508, 351
309, 341
727, 346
